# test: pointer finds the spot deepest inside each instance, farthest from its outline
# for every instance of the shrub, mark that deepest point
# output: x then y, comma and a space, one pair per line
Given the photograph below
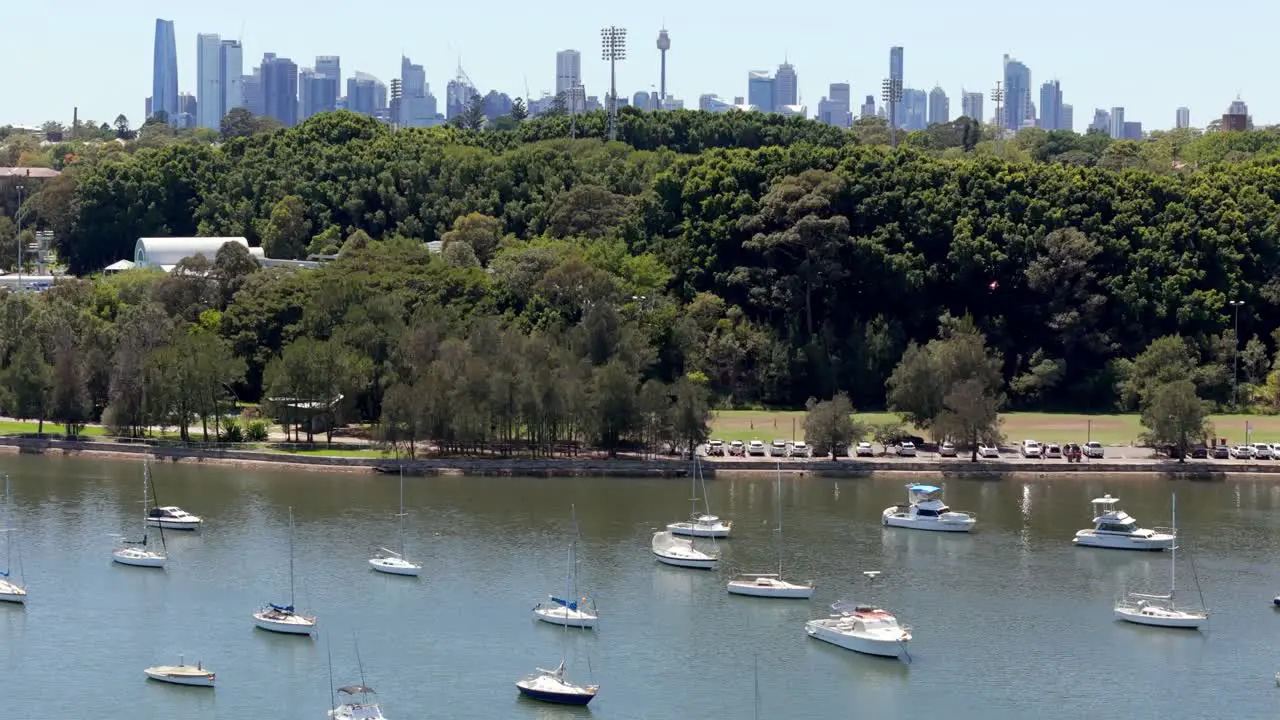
256, 431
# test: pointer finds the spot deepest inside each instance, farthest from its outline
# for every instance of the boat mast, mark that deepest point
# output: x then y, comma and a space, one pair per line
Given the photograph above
777, 499
146, 475
291, 604
400, 547
1173, 558
8, 542
755, 671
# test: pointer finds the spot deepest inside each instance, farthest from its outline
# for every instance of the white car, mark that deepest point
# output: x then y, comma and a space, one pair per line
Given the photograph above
1242, 452
988, 451
907, 449
755, 447
946, 449
864, 450
737, 449
1262, 451
799, 449
1031, 449
1093, 449
1053, 451
715, 448
778, 448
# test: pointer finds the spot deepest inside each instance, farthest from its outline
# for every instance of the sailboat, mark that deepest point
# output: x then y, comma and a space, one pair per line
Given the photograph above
136, 552
10, 590
703, 525
352, 709
283, 618
393, 562
571, 610
182, 674
771, 585
1160, 610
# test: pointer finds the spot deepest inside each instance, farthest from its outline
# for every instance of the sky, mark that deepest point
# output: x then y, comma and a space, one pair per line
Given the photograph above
1149, 57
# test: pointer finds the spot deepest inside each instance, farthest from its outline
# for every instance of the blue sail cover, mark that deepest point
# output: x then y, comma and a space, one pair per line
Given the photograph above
4, 573
925, 489
566, 603
281, 608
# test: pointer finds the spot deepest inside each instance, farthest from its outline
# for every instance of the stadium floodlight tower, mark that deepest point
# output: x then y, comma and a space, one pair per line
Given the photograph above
613, 47
891, 93
997, 97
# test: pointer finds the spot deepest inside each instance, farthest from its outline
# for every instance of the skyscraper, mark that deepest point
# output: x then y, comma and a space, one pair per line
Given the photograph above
786, 89
971, 105
1183, 118
894, 112
417, 104
1117, 123
232, 60
868, 108
209, 93
1067, 118
280, 89
1101, 121
1051, 106
254, 100
1017, 94
664, 44
915, 109
760, 90
366, 94
568, 70
164, 71
834, 109
939, 106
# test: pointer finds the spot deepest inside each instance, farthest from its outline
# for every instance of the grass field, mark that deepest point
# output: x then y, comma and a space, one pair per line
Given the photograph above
746, 425
17, 427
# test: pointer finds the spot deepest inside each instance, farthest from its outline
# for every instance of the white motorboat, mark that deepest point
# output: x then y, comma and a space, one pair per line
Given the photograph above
182, 674
138, 553
285, 619
551, 686
703, 526
393, 562
1113, 528
926, 511
861, 628
172, 517
11, 590
1160, 610
580, 613
771, 585
681, 552
353, 709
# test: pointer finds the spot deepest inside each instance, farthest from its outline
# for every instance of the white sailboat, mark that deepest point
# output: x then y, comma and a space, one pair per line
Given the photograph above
704, 525
682, 552
571, 610
284, 618
351, 708
1160, 610
393, 562
11, 590
182, 674
771, 585
136, 552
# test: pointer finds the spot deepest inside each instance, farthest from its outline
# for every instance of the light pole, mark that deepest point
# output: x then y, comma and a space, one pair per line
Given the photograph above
891, 94
613, 47
1235, 386
18, 215
997, 97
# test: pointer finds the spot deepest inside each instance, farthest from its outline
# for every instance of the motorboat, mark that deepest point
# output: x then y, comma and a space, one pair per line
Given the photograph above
11, 590
703, 526
138, 553
182, 674
1160, 610
393, 562
681, 552
861, 628
771, 585
1115, 529
172, 517
285, 619
352, 709
926, 511
551, 686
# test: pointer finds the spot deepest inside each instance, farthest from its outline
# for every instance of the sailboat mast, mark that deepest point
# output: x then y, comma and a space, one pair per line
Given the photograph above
291, 603
8, 515
1173, 557
400, 548
777, 499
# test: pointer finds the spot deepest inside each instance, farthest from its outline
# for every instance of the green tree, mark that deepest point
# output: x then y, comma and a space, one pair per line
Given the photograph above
829, 424
1174, 417
691, 416
481, 232
518, 110
288, 231
28, 384
950, 385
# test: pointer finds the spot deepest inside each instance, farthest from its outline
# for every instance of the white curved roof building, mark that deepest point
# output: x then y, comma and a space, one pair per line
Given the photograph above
166, 252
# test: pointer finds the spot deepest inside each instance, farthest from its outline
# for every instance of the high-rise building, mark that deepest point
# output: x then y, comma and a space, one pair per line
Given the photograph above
187, 108
915, 109
1133, 130
209, 80
280, 89
1183, 118
254, 101
664, 44
868, 108
786, 90
894, 113
495, 105
834, 109
1051, 106
568, 70
971, 105
366, 94
643, 100
1101, 121
232, 61
1236, 118
939, 106
417, 104
760, 90
459, 91
164, 71
329, 66
1017, 94
1067, 118
1117, 123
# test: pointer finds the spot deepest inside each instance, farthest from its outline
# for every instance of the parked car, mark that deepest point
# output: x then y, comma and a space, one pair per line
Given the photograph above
1032, 449
778, 448
1072, 453
1242, 452
1093, 449
1199, 452
989, 451
737, 449
946, 449
1262, 451
799, 449
864, 449
1220, 452
1053, 451
756, 448
907, 449
715, 448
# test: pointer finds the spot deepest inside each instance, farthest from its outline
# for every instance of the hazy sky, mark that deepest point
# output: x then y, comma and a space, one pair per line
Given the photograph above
1147, 56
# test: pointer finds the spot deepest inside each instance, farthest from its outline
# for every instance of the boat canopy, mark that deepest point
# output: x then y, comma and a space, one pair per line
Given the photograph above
571, 604
357, 690
281, 608
924, 489
848, 607
1105, 500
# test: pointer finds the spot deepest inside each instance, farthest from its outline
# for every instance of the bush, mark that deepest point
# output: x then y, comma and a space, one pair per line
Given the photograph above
256, 431
232, 432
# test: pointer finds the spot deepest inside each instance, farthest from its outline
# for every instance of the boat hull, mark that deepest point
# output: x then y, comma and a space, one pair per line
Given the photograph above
575, 619
865, 645
174, 524
283, 627
684, 562
891, 518
12, 593
559, 698
1163, 618
391, 566
685, 529
190, 680
778, 590
144, 560
1154, 543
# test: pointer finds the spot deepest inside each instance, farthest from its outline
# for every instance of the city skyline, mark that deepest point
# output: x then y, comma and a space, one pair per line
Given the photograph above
703, 58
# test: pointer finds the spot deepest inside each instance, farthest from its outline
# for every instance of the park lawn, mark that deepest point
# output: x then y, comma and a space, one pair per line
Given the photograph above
19, 427
764, 425
331, 452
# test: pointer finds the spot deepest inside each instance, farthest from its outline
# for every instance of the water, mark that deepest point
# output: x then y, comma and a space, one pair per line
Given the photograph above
1010, 621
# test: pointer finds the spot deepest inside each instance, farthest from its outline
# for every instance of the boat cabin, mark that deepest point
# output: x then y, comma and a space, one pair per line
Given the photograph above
169, 513
360, 710
927, 500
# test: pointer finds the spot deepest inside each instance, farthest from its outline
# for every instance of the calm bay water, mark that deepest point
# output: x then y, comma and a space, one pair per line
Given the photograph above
1012, 621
